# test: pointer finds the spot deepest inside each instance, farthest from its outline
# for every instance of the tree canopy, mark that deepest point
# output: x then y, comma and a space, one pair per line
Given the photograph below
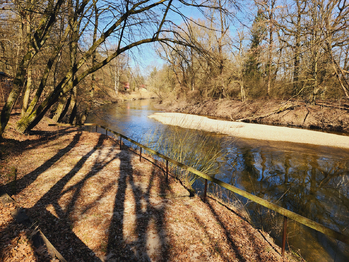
67, 38
264, 48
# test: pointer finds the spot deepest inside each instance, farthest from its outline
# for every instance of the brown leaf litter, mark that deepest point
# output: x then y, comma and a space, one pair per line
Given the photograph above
95, 202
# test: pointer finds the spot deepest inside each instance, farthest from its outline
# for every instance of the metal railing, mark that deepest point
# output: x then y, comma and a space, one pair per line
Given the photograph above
287, 214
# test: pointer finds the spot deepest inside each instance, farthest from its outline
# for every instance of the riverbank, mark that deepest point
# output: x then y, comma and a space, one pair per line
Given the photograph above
136, 95
253, 131
322, 116
96, 202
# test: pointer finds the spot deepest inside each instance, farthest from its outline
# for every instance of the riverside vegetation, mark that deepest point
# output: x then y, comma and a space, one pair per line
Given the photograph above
204, 156
250, 51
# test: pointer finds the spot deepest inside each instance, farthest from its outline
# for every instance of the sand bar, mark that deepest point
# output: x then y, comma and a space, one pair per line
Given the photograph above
254, 131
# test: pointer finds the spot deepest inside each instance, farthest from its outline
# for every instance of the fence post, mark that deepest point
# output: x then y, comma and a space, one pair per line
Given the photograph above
140, 154
205, 191
166, 170
284, 237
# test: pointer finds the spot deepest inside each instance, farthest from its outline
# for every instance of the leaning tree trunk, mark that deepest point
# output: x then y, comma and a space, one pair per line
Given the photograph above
29, 83
44, 28
26, 94
72, 106
83, 115
15, 92
62, 108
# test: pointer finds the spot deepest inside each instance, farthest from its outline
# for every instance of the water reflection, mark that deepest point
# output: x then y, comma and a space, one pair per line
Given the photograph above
309, 180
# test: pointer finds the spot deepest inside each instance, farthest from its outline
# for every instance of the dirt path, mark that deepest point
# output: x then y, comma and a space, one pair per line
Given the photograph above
96, 202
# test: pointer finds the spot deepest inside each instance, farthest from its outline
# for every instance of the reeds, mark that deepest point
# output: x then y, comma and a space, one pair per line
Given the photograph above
198, 149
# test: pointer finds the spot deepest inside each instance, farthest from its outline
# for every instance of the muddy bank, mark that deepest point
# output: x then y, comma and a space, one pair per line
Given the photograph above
322, 116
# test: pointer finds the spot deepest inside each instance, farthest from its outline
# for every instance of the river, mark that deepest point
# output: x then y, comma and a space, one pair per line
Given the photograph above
309, 180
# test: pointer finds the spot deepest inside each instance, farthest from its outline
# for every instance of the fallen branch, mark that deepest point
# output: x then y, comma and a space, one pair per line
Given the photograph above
282, 109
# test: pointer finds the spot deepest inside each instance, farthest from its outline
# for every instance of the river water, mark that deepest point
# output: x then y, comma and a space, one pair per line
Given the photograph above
309, 180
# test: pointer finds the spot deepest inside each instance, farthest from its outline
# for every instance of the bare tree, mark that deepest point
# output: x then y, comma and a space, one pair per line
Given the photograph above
269, 9
335, 30
129, 23
292, 33
237, 72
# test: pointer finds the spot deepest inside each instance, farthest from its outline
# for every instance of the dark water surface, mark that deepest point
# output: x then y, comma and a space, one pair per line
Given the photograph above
309, 180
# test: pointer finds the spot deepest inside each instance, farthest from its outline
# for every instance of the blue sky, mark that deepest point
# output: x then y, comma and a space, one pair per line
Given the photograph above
147, 57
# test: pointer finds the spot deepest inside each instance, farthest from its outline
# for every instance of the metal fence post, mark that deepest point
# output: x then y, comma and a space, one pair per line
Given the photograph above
205, 191
140, 154
166, 170
284, 235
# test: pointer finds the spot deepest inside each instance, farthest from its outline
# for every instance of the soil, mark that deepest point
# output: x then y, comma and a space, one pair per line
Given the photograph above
97, 202
327, 116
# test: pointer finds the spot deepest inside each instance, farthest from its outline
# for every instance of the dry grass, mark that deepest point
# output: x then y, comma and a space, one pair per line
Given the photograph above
96, 202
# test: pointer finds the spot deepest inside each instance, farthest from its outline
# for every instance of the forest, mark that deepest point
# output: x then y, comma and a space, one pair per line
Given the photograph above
61, 57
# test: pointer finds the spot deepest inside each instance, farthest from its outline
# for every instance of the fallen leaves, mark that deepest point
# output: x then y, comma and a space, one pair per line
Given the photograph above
95, 202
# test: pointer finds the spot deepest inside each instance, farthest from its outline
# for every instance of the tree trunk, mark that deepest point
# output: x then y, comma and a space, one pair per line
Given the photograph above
73, 47
296, 66
62, 109
73, 114
40, 36
94, 60
15, 92
72, 106
242, 91
27, 91
29, 83
270, 44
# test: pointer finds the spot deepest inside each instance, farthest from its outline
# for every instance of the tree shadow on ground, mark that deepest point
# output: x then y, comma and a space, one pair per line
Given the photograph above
34, 140
73, 249
52, 226
247, 234
58, 225
137, 228
61, 226
27, 179
147, 224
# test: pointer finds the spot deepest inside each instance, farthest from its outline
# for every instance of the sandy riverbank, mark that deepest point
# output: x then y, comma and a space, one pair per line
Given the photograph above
254, 131
325, 115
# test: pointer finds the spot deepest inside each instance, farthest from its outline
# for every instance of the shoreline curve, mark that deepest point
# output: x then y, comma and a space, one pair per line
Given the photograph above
253, 131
